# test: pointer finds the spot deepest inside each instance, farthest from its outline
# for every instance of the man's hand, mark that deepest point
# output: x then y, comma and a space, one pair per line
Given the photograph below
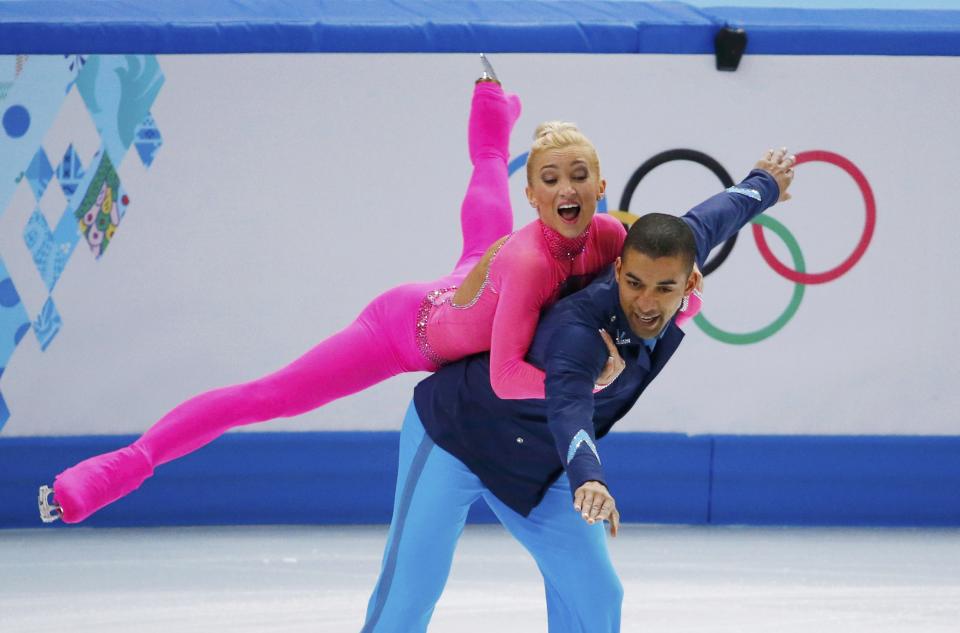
615, 363
779, 164
595, 503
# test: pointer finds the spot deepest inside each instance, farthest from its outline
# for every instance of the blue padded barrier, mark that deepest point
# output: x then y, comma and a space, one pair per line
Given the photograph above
659, 477
843, 480
467, 26
847, 32
231, 26
243, 478
349, 477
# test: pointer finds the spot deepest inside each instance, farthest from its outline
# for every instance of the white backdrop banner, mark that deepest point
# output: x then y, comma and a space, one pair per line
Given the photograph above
176, 223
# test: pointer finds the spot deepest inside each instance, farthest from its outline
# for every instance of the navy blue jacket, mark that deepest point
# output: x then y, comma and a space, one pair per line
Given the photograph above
518, 448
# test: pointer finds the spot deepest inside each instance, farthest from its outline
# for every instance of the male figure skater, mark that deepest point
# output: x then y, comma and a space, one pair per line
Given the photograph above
524, 457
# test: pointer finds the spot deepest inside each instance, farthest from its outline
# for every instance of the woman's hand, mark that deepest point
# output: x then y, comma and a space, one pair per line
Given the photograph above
615, 363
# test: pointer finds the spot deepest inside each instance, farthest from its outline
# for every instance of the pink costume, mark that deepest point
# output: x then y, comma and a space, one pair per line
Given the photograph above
413, 327
528, 272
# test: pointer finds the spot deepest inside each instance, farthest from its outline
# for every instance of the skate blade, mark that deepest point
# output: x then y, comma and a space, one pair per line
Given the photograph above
488, 73
49, 512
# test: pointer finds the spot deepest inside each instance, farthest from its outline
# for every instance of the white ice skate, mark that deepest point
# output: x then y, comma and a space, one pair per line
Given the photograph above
49, 511
488, 73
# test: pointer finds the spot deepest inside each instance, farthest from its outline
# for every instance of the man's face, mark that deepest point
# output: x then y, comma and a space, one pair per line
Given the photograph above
651, 290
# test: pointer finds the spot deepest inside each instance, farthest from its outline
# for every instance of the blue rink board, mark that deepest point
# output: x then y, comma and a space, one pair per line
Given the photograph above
464, 26
349, 477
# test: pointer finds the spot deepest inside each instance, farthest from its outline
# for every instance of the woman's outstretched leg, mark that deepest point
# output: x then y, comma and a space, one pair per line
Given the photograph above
486, 214
379, 344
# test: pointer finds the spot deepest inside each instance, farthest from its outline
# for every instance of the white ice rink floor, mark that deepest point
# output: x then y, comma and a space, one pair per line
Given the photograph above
318, 579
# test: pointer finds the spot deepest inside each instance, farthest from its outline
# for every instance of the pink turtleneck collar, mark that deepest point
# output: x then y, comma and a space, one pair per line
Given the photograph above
564, 248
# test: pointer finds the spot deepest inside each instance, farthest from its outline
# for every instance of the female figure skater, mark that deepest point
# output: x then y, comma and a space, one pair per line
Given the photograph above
490, 301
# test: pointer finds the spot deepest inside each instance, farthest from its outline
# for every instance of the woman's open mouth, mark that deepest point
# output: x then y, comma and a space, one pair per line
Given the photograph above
569, 213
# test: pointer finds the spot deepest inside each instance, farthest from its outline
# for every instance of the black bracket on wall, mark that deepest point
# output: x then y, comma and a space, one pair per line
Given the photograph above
729, 45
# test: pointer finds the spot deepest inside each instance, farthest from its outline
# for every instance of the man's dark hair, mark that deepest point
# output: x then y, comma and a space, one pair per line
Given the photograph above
661, 235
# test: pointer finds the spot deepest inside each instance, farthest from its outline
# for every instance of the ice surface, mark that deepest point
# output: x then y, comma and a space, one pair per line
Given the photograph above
318, 579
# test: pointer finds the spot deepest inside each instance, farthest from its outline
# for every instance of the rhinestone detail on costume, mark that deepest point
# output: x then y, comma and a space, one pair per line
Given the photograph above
486, 281
432, 299
440, 296
564, 248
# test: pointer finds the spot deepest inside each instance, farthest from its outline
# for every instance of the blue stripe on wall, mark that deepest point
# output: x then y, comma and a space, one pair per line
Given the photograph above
817, 480
466, 26
338, 478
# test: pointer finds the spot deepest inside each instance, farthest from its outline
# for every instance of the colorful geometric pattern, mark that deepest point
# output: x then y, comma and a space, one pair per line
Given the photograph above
14, 324
16, 121
147, 140
39, 173
50, 249
76, 61
103, 205
118, 92
33, 101
69, 172
47, 323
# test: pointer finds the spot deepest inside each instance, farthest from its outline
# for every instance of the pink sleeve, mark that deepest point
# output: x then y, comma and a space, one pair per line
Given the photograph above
522, 295
525, 287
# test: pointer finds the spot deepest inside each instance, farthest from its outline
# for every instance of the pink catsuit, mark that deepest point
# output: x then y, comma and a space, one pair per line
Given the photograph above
413, 327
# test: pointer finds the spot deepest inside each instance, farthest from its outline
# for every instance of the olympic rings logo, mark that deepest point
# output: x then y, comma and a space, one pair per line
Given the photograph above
797, 274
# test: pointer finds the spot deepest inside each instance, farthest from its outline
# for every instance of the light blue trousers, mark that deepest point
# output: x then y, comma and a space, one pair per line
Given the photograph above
434, 492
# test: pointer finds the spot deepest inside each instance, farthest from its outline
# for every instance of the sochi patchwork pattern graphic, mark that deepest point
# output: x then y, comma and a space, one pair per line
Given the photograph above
117, 92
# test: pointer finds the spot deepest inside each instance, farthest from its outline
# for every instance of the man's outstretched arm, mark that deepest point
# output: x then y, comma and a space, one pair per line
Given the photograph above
719, 217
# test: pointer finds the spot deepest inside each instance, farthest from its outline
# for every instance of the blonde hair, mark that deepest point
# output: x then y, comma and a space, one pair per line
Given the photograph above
557, 135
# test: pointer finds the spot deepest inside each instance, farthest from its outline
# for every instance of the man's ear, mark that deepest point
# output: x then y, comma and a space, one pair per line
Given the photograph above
617, 265
694, 281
